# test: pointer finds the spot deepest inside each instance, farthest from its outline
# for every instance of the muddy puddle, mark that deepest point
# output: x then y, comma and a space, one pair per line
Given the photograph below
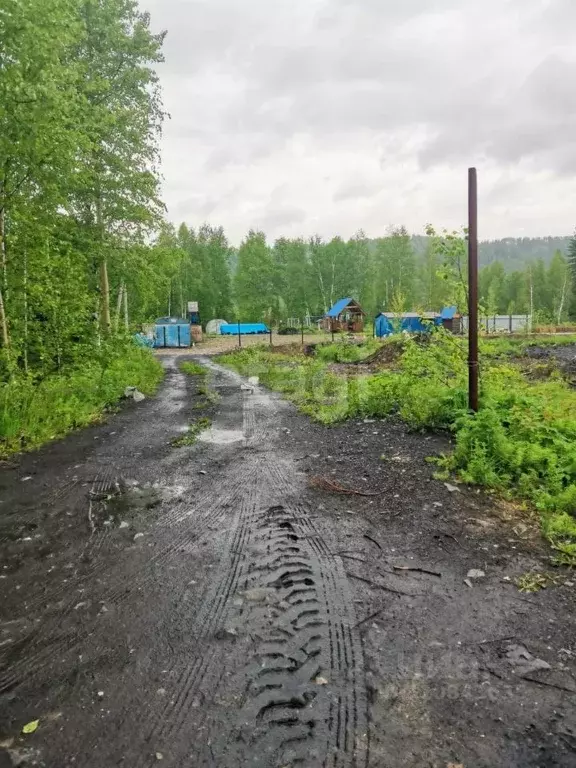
122, 501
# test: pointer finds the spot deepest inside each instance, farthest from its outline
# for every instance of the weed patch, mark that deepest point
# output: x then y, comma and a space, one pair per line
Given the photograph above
191, 436
192, 369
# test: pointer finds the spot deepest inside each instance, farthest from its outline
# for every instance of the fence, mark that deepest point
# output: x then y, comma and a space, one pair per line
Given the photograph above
502, 324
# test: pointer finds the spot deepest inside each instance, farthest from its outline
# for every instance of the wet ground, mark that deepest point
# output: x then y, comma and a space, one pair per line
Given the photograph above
229, 604
562, 357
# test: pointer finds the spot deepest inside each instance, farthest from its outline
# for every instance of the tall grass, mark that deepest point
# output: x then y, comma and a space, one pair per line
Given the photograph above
33, 412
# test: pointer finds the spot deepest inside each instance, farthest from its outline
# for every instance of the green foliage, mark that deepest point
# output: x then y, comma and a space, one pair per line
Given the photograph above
193, 369
346, 352
254, 280
33, 412
533, 582
191, 436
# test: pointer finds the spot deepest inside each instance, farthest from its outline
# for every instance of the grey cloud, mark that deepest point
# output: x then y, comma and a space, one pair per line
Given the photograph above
539, 123
442, 83
357, 190
275, 219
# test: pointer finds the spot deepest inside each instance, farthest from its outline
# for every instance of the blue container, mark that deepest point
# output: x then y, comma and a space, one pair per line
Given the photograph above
172, 332
231, 329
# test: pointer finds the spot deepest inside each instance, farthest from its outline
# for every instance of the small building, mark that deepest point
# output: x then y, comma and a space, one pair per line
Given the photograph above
172, 332
451, 320
388, 323
346, 315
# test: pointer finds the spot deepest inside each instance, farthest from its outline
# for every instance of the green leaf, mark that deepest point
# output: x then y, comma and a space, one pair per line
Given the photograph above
31, 726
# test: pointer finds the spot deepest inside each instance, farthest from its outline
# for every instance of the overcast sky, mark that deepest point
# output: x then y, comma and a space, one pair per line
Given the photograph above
328, 116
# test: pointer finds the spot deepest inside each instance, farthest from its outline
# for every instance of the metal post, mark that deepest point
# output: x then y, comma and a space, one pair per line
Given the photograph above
270, 334
510, 324
302, 330
472, 289
239, 334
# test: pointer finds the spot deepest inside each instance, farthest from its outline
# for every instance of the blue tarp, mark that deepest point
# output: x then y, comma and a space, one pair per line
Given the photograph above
448, 313
383, 327
415, 325
340, 306
231, 329
142, 340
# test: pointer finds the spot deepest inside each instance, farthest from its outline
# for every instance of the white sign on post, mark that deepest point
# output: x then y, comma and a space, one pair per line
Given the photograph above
192, 306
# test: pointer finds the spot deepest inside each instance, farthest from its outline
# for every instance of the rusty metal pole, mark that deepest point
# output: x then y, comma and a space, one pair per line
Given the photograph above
472, 290
239, 334
302, 330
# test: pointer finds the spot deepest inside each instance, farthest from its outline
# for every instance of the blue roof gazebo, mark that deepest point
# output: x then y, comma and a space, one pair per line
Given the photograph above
346, 315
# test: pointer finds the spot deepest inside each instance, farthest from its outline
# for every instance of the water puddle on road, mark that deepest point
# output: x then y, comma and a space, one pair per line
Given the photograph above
221, 436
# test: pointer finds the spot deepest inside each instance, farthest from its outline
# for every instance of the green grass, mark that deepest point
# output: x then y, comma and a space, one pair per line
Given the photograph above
32, 412
522, 443
193, 369
191, 436
346, 352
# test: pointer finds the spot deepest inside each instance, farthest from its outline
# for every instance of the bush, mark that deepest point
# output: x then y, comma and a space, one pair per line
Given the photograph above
35, 411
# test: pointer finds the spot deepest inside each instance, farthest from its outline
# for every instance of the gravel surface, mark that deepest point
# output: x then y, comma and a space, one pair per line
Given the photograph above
278, 594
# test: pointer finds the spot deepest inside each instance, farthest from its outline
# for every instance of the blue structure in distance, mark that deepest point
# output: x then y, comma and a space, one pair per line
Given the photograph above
388, 323
339, 307
382, 326
172, 332
231, 329
448, 313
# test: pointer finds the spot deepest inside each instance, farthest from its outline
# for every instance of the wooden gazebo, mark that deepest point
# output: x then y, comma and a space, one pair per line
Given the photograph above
346, 315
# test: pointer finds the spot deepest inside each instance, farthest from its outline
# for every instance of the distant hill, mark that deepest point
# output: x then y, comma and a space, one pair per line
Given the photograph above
513, 252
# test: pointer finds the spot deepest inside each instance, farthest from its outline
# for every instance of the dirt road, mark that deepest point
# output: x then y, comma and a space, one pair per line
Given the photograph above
211, 605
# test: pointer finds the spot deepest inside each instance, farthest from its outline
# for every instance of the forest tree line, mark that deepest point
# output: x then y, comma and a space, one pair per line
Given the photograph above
86, 253
296, 278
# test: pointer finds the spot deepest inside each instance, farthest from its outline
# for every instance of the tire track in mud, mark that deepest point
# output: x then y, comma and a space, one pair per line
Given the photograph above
52, 641
280, 680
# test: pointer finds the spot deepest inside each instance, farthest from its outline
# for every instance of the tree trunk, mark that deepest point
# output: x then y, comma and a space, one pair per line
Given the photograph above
105, 296
126, 319
4, 323
3, 257
118, 307
562, 298
104, 284
25, 290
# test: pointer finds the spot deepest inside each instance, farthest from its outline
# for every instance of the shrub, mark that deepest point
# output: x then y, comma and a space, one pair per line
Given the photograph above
35, 411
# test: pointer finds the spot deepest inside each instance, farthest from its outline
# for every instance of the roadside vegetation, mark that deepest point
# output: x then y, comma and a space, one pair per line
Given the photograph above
34, 411
191, 435
192, 368
522, 443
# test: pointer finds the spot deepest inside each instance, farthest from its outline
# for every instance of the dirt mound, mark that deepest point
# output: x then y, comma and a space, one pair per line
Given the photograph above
564, 356
387, 354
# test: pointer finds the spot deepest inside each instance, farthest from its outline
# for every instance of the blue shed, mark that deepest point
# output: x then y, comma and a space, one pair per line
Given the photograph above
231, 329
172, 332
412, 322
383, 327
